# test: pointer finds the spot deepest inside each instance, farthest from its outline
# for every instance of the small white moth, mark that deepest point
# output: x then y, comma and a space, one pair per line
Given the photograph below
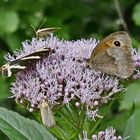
46, 31
40, 33
47, 115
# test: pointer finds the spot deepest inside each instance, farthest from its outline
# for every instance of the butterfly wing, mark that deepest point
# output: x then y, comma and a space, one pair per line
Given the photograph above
104, 64
113, 55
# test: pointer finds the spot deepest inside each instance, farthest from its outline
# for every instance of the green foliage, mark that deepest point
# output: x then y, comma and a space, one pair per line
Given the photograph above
77, 19
70, 124
130, 129
119, 119
9, 21
136, 14
4, 88
17, 127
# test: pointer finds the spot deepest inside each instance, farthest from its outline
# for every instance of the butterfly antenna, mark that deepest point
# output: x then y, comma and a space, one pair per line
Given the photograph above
42, 23
33, 28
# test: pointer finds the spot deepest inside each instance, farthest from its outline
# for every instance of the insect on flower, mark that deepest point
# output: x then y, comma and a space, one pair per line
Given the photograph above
40, 33
47, 115
22, 63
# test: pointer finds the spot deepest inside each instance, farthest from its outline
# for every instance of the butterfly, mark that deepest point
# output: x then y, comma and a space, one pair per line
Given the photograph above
112, 55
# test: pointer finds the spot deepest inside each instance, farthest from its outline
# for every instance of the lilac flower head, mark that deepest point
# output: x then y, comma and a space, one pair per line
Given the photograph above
108, 134
63, 76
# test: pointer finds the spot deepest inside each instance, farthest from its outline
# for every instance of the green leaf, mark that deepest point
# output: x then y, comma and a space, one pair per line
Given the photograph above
131, 95
120, 119
69, 122
136, 14
130, 129
16, 42
9, 21
3, 88
134, 124
17, 127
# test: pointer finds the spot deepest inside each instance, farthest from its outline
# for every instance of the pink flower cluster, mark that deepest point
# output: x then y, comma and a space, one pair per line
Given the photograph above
63, 76
108, 134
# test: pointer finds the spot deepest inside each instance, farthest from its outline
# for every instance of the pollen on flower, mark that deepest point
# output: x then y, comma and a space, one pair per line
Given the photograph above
63, 76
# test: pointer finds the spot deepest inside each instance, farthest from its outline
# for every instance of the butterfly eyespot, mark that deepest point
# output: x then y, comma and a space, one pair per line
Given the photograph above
117, 43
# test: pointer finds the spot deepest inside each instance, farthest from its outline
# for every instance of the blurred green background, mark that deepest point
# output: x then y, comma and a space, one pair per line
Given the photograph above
77, 19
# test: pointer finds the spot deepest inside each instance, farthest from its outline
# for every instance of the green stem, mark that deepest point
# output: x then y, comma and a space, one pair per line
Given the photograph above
100, 120
61, 133
95, 126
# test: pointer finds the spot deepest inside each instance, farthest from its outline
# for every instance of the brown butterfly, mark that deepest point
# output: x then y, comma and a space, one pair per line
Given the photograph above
113, 55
